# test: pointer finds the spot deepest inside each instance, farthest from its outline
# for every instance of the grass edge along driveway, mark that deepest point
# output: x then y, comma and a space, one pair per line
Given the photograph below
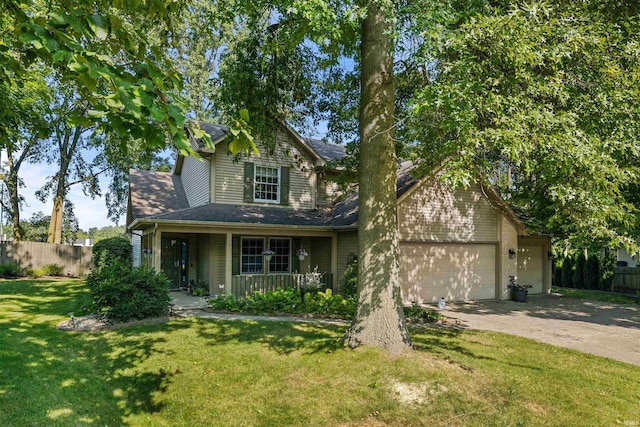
207, 372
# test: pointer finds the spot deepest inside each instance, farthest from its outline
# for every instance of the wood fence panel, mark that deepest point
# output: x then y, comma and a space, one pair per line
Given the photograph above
75, 260
627, 278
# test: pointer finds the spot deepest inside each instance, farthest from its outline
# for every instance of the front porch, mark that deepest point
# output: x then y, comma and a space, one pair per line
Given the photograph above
240, 262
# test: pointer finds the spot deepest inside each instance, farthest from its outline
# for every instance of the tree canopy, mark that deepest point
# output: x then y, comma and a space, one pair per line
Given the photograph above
542, 100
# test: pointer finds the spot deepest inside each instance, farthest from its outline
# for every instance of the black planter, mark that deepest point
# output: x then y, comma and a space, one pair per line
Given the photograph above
519, 296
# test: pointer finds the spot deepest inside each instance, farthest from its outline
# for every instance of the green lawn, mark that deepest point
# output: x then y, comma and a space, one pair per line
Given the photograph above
590, 295
192, 372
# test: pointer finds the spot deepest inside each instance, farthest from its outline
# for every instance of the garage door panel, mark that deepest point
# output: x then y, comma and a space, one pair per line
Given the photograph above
531, 267
454, 271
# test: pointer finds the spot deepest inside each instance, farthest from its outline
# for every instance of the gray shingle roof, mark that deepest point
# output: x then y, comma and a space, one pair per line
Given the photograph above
214, 130
155, 192
327, 150
159, 195
345, 213
248, 214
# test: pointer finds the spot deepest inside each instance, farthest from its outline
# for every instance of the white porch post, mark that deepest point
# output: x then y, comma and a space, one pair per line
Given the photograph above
228, 265
157, 249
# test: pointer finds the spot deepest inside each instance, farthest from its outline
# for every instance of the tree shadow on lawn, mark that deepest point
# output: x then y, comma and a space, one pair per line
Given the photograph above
309, 338
50, 377
281, 337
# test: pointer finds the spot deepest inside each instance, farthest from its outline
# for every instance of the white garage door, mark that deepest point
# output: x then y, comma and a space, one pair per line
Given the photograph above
457, 272
530, 267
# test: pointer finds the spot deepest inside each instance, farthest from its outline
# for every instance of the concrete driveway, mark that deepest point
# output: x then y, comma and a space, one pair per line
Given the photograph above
604, 329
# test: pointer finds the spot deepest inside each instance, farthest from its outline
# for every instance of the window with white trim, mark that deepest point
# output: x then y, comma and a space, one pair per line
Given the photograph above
281, 260
266, 184
251, 259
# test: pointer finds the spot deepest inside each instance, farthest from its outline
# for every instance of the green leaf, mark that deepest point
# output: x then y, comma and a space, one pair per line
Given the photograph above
61, 55
57, 19
77, 67
244, 115
157, 113
98, 26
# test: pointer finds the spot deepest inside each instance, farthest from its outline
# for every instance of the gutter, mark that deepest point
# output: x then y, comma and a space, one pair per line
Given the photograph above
210, 224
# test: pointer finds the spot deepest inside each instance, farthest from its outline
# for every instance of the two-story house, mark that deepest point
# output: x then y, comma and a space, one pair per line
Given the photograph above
258, 221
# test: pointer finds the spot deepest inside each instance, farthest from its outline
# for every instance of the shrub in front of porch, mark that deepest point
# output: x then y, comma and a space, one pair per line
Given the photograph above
123, 293
287, 301
115, 250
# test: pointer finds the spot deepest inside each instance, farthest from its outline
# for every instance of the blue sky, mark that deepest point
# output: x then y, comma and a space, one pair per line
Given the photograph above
90, 212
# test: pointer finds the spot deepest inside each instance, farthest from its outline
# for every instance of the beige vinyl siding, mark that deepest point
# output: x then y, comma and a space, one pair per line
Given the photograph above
435, 213
457, 272
229, 175
347, 244
218, 247
195, 180
320, 253
326, 192
203, 264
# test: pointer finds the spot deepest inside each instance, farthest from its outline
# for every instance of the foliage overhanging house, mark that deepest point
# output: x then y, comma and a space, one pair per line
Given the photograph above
212, 219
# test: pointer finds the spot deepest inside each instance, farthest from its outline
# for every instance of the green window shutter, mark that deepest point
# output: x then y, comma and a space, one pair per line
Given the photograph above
248, 182
295, 262
284, 185
235, 256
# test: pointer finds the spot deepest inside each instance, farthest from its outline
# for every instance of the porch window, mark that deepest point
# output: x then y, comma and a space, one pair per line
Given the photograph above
281, 260
252, 255
266, 185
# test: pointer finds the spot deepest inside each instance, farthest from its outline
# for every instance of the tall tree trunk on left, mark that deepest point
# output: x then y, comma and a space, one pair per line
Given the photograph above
379, 319
67, 149
15, 158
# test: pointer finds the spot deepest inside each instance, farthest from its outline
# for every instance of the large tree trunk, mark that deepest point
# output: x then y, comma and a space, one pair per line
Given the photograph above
14, 199
55, 225
67, 148
379, 319
11, 182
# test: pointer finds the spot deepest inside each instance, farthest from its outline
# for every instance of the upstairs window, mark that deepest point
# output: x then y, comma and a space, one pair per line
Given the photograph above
267, 184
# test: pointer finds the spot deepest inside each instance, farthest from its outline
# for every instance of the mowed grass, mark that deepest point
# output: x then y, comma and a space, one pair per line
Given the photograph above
591, 295
191, 372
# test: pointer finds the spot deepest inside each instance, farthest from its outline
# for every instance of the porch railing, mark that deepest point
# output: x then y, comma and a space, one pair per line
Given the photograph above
242, 286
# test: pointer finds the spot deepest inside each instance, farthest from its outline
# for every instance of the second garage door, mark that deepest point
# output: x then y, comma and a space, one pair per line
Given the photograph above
457, 272
530, 267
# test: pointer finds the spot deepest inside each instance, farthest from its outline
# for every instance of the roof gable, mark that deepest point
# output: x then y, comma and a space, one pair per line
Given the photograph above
152, 193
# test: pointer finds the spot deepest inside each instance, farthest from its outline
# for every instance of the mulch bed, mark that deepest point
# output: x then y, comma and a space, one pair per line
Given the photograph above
95, 323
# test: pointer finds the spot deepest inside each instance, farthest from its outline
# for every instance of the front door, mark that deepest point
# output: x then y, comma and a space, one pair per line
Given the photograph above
174, 261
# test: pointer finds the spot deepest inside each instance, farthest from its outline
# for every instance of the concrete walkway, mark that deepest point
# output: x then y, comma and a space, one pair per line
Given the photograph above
603, 329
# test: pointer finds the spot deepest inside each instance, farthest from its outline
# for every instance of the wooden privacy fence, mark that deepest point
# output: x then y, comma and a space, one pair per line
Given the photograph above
243, 286
627, 278
76, 260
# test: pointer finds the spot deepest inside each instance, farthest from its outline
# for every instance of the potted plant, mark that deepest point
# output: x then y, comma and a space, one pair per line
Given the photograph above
268, 253
519, 292
302, 253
